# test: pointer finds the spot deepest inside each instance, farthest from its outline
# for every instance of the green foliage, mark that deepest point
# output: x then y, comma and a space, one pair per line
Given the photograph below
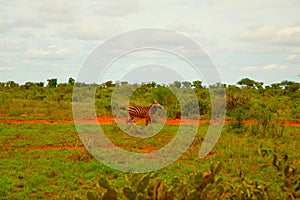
247, 82
290, 176
176, 84
271, 105
197, 84
186, 84
11, 84
237, 125
270, 118
108, 84
246, 188
137, 186
109, 194
52, 83
207, 185
71, 174
71, 81
248, 172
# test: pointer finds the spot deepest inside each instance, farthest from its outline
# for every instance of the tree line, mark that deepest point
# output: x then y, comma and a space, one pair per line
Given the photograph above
247, 99
245, 82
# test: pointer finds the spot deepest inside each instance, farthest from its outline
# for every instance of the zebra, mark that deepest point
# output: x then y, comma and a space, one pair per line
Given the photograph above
142, 111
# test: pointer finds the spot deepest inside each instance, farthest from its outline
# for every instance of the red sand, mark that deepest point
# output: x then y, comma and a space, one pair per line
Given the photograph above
110, 120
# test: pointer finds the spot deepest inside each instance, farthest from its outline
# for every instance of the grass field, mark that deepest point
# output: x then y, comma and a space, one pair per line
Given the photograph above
256, 157
28, 171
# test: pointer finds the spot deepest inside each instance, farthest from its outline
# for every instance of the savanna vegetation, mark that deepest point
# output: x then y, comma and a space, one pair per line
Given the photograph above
257, 160
248, 100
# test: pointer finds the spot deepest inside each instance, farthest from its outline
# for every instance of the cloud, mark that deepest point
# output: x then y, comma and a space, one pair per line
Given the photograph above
52, 52
294, 58
288, 36
289, 31
270, 67
147, 68
26, 23
152, 72
26, 28
57, 12
20, 23
158, 69
12, 45
258, 34
132, 66
3, 26
118, 8
6, 68
89, 31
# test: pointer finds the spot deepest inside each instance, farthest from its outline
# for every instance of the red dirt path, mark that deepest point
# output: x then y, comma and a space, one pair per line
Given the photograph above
110, 120
107, 120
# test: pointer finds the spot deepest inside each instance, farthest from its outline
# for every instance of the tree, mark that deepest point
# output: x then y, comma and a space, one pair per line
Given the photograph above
218, 85
52, 83
153, 84
290, 86
186, 84
197, 84
71, 81
12, 84
29, 85
258, 85
176, 84
108, 84
124, 83
247, 82
275, 86
40, 84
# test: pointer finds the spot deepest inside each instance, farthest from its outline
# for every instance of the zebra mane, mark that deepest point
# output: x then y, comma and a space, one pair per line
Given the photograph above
149, 105
153, 103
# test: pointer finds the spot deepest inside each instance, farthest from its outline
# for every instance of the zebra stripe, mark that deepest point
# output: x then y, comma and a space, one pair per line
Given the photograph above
142, 112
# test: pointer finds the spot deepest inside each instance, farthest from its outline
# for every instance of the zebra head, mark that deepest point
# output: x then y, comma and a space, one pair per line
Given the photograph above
154, 106
155, 103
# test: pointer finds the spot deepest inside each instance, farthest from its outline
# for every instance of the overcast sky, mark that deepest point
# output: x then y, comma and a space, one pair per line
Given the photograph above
52, 39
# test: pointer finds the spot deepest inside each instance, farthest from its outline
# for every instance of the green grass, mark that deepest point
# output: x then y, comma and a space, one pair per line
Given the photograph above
56, 174
43, 174
34, 135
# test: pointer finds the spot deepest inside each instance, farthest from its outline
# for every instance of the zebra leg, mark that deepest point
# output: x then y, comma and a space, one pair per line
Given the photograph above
129, 120
151, 119
148, 120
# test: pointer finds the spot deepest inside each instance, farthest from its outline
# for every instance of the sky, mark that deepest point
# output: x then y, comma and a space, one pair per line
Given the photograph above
53, 39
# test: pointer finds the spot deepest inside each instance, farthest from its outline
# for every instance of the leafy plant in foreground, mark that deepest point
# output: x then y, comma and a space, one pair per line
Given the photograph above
137, 186
290, 176
207, 185
109, 194
203, 186
246, 188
